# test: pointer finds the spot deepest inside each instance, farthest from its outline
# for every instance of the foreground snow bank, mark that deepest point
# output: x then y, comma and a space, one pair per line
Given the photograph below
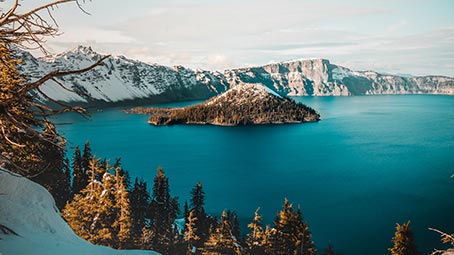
29, 210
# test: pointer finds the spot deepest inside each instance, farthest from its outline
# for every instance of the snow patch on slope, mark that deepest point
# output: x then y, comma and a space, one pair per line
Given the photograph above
29, 210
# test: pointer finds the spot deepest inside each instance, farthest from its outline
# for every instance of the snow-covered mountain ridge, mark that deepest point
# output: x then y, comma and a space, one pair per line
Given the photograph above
120, 79
29, 210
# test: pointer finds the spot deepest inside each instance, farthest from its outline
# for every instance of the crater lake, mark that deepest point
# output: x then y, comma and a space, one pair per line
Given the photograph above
371, 162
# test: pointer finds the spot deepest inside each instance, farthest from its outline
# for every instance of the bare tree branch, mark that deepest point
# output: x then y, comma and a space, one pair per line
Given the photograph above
57, 73
446, 238
6, 16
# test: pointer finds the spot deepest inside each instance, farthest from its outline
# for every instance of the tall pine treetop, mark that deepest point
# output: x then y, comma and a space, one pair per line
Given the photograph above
404, 242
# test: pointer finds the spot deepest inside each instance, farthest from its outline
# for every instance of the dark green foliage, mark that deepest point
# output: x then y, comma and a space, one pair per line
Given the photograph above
139, 199
221, 240
291, 235
202, 224
233, 219
100, 213
190, 234
66, 190
163, 211
80, 177
86, 157
329, 250
256, 239
403, 240
122, 172
54, 174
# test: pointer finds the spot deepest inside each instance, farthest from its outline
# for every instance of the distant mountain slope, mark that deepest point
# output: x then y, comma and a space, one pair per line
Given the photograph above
29, 210
243, 104
120, 79
129, 81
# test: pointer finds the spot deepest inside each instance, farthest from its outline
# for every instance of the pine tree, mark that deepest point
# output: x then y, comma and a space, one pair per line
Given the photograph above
291, 235
81, 212
139, 201
255, 241
52, 152
404, 243
222, 241
80, 177
304, 242
122, 172
124, 221
86, 157
283, 241
233, 219
190, 235
186, 210
66, 183
106, 214
19, 152
329, 250
163, 211
197, 203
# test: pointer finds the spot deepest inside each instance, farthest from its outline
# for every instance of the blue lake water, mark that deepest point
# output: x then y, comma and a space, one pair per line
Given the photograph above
371, 162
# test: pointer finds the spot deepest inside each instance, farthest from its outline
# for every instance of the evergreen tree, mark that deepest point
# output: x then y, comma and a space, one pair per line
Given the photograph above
123, 224
186, 210
233, 219
329, 250
86, 157
255, 241
81, 212
139, 201
122, 172
101, 212
404, 243
66, 183
222, 241
190, 235
20, 151
106, 215
52, 152
291, 235
284, 241
80, 177
163, 211
197, 203
304, 244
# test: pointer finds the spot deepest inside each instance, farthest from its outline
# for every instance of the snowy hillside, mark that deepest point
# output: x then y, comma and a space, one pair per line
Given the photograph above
29, 210
120, 79
243, 94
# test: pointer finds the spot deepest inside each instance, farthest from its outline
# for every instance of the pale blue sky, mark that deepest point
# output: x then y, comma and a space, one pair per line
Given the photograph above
395, 36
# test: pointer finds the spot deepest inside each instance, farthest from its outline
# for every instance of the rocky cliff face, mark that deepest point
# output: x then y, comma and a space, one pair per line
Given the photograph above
120, 80
318, 77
